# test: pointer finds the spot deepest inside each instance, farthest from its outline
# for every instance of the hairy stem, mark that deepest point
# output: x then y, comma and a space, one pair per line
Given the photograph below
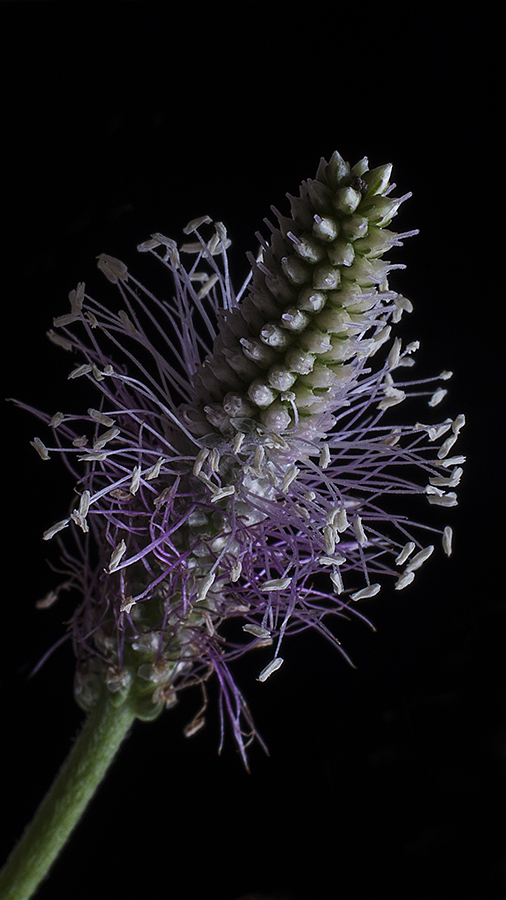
66, 800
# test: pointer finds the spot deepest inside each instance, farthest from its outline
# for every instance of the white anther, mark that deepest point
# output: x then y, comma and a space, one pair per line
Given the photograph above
264, 636
58, 526
270, 668
65, 319
341, 521
205, 585
235, 571
337, 581
405, 552
393, 397
449, 499
446, 446
452, 461
258, 458
58, 339
104, 438
84, 503
451, 480
413, 347
275, 584
405, 579
220, 493
100, 417
447, 540
113, 269
402, 304
40, 448
444, 376
47, 601
290, 476
420, 558
126, 605
150, 244
127, 322
394, 355
57, 419
380, 338
324, 456
154, 471
96, 456
199, 460
437, 396
238, 441
434, 431
214, 459
331, 560
329, 535
116, 556
208, 286
370, 591
432, 489
136, 480
359, 531
80, 370
195, 725
79, 520
458, 423
194, 224
92, 319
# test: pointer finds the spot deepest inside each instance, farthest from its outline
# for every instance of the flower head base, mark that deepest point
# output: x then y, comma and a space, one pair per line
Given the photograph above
232, 476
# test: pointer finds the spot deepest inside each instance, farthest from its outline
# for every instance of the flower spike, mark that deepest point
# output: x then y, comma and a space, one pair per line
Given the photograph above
236, 455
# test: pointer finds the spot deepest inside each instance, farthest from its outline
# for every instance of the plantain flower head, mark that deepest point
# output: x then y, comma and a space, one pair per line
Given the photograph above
239, 475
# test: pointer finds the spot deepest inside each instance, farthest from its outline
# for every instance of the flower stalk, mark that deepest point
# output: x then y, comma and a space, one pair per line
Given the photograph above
65, 802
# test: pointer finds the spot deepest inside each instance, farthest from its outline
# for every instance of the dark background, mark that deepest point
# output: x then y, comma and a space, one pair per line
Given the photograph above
120, 119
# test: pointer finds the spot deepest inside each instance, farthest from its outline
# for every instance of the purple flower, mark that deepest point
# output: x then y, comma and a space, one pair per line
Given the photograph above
239, 477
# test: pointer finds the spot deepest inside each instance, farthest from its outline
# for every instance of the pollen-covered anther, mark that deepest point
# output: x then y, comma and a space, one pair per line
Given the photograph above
264, 637
194, 224
113, 269
403, 581
136, 480
275, 584
437, 396
221, 492
289, 477
273, 666
419, 558
104, 438
41, 448
447, 500
405, 552
205, 585
58, 526
325, 457
116, 556
370, 591
358, 528
83, 369
446, 446
447, 540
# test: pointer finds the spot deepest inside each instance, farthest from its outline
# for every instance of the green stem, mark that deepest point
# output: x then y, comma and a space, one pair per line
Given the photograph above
65, 801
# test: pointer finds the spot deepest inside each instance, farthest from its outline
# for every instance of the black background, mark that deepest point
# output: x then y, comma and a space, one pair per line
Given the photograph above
120, 119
